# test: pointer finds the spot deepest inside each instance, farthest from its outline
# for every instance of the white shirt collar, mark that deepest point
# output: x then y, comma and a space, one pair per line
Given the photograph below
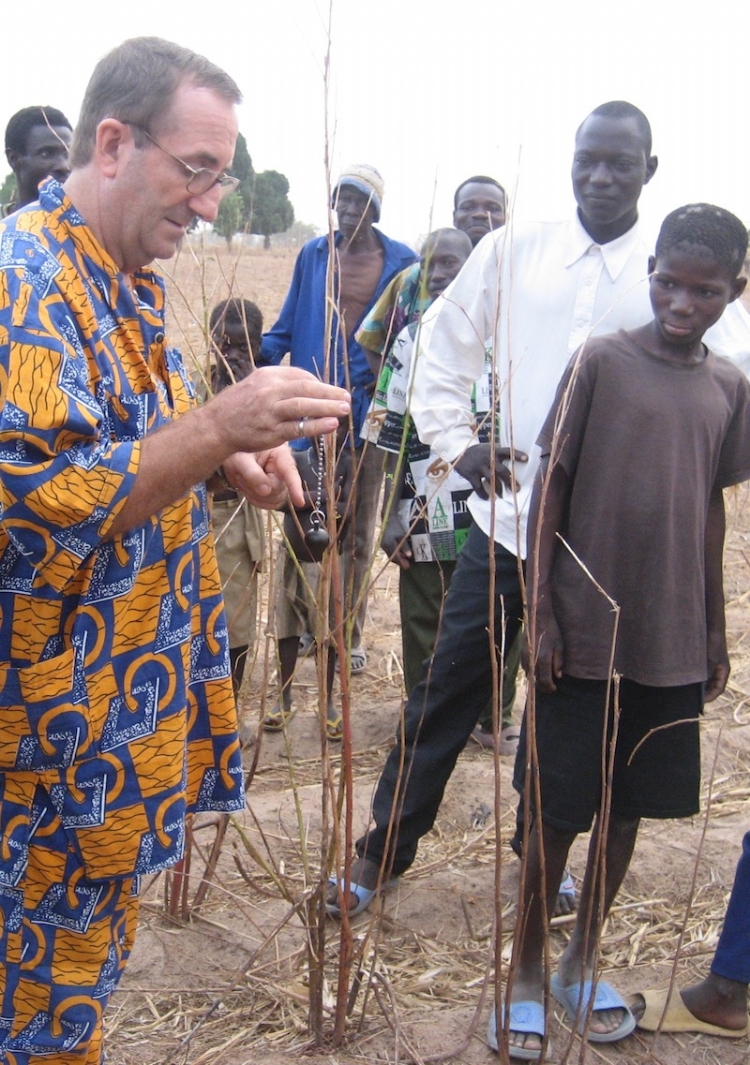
616, 253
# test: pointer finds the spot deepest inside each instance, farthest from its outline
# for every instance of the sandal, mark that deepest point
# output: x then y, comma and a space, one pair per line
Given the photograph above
509, 737
334, 727
277, 718
357, 660
363, 895
524, 1017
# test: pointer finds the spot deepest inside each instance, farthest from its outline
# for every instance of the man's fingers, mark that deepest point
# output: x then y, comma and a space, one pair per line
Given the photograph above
306, 426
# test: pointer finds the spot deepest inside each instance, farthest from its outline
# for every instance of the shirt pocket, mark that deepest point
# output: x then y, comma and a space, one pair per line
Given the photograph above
134, 414
45, 715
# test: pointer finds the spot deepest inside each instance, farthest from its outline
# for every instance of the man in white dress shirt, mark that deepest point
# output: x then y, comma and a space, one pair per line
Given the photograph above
539, 290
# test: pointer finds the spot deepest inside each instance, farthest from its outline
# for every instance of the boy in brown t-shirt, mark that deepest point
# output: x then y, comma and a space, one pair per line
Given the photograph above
626, 606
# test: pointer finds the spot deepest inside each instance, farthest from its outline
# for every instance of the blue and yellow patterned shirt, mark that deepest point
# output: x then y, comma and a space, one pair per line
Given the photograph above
114, 683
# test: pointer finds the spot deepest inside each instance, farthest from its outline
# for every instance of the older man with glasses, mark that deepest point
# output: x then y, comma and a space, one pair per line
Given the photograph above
116, 703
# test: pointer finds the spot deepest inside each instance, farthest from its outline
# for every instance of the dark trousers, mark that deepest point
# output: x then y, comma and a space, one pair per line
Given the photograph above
732, 958
445, 706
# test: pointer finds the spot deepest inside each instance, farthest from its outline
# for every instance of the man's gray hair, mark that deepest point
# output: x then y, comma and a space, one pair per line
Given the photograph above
135, 83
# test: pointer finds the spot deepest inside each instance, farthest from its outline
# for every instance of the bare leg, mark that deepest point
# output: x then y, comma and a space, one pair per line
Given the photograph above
287, 652
576, 963
237, 659
528, 984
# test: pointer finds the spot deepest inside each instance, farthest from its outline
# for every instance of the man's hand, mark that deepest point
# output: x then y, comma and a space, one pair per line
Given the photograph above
273, 405
395, 542
547, 658
267, 478
718, 666
476, 466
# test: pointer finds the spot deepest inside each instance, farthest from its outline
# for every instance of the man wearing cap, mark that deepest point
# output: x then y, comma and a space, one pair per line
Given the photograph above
365, 261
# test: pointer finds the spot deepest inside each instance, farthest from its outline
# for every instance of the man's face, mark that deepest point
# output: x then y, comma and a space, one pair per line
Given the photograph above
45, 154
442, 258
153, 207
354, 209
610, 167
480, 208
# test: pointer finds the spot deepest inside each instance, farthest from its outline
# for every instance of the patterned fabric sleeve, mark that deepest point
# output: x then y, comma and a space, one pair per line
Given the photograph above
64, 470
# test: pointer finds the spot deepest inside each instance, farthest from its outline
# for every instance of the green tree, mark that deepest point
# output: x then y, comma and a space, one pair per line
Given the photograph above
242, 165
229, 219
271, 211
8, 189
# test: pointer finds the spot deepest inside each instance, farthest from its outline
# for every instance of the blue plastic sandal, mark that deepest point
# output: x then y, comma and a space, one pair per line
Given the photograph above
363, 895
527, 1017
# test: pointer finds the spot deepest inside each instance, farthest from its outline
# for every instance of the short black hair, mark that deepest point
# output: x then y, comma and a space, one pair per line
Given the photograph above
446, 231
706, 226
623, 109
237, 312
478, 179
23, 121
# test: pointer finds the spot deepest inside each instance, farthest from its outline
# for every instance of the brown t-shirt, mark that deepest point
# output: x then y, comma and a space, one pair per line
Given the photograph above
644, 441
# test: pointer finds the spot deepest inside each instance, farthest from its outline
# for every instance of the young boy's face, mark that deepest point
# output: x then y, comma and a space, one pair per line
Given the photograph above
689, 292
236, 350
442, 259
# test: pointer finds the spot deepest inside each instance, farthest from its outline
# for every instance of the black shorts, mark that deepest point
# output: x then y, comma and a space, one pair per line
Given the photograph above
661, 779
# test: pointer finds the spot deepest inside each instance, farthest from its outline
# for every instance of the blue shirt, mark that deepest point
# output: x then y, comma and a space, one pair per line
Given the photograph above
301, 327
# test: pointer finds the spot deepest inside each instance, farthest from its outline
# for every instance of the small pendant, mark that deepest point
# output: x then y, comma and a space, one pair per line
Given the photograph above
317, 535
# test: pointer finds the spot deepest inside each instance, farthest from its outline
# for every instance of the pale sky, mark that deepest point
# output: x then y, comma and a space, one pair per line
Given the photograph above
431, 93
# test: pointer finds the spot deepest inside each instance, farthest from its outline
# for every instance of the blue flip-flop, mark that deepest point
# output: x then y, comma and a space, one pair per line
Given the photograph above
526, 1016
575, 999
363, 895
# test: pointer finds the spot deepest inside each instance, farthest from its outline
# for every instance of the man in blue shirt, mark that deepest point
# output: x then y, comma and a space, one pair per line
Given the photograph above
365, 261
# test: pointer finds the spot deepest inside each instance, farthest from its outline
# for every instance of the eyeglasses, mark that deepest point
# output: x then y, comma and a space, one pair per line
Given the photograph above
201, 180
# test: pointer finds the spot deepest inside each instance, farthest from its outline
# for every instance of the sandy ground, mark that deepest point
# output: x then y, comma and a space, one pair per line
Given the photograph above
232, 983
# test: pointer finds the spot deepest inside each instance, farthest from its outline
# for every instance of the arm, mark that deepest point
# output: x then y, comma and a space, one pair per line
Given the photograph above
718, 657
451, 354
549, 502
255, 415
394, 538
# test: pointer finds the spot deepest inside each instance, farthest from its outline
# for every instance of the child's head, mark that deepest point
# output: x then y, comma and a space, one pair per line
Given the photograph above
699, 254
236, 329
443, 254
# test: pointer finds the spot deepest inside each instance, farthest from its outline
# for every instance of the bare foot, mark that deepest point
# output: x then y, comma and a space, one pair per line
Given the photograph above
714, 1000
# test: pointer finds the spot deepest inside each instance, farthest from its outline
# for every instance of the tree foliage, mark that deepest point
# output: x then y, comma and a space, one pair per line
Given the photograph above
242, 166
229, 219
8, 189
260, 204
271, 210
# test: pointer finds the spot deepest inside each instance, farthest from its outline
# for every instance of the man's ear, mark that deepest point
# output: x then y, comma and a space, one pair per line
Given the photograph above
651, 164
111, 136
12, 156
651, 264
738, 287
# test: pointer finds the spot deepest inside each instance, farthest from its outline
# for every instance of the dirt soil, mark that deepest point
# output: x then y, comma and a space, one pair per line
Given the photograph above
231, 984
